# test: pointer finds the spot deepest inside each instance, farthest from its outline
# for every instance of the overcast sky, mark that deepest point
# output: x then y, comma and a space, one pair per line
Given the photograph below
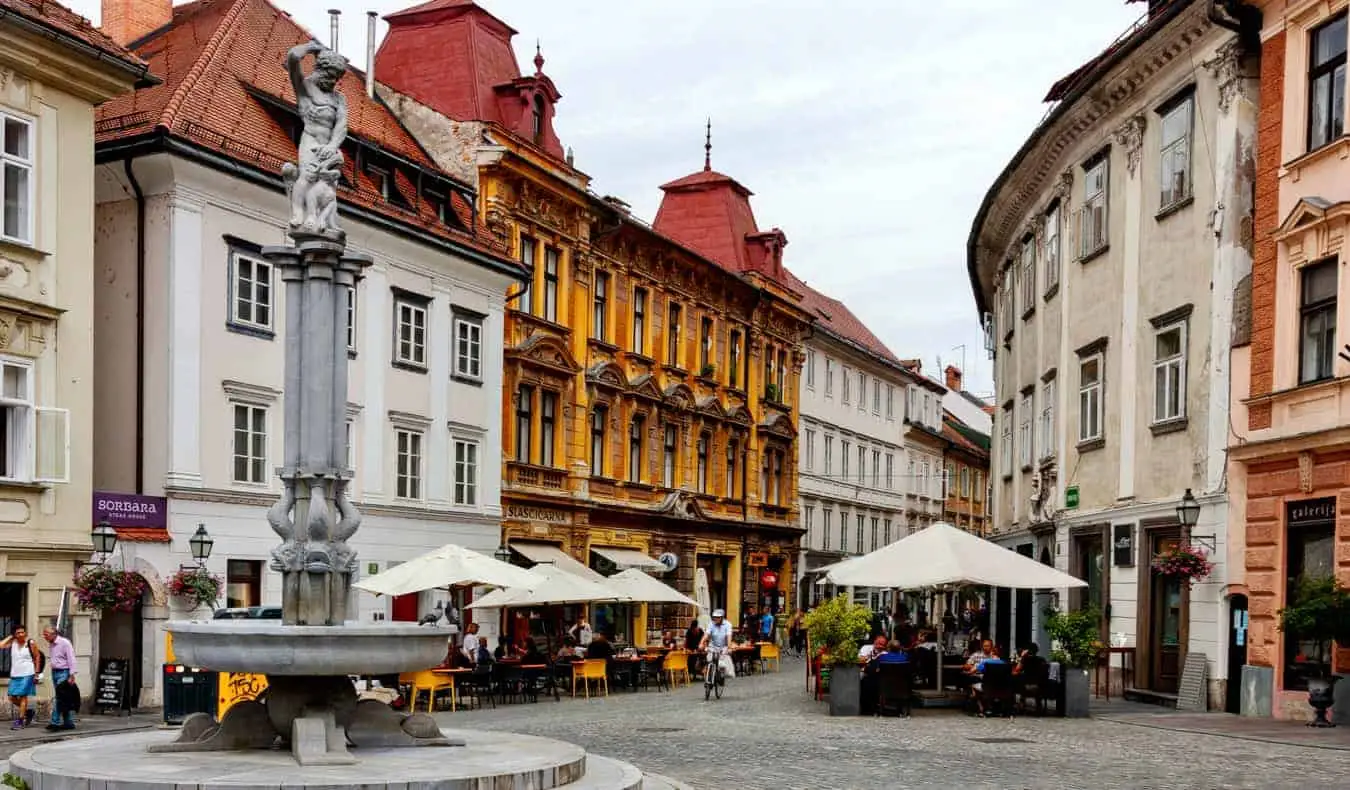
869, 130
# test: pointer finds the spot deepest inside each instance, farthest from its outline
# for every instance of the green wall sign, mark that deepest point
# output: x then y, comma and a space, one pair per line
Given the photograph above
1071, 497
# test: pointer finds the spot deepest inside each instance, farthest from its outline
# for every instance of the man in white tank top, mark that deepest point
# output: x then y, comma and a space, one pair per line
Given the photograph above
23, 670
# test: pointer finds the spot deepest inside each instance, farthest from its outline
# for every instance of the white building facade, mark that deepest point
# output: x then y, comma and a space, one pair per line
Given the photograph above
1108, 253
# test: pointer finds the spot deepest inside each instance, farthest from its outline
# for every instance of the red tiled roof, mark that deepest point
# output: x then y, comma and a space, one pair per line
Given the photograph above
709, 213
834, 316
213, 57
57, 17
954, 436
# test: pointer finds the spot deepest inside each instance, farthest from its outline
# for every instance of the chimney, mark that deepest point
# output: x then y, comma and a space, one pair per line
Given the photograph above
126, 21
370, 53
953, 378
333, 15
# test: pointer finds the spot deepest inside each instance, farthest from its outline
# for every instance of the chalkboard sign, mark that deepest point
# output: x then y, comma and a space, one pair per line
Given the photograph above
114, 678
1193, 692
1122, 545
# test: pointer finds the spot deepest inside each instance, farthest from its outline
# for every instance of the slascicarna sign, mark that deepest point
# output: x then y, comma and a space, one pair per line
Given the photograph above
131, 510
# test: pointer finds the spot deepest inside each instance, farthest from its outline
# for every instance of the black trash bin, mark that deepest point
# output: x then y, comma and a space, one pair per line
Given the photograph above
188, 690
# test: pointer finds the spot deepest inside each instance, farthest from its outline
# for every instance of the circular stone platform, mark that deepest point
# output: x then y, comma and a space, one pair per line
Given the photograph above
502, 761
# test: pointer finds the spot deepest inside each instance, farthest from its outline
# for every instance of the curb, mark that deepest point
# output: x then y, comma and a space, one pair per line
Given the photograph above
1233, 735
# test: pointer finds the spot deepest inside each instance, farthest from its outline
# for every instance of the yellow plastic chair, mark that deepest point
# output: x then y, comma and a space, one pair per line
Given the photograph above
430, 682
769, 653
588, 670
677, 667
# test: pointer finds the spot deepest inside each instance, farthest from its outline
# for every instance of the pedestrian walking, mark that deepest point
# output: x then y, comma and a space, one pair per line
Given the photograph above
63, 680
25, 665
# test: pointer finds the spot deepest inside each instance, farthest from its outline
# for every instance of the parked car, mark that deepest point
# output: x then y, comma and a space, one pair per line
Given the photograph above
248, 613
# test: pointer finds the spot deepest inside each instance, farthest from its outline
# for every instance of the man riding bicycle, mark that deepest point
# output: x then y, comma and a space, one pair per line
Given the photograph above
716, 640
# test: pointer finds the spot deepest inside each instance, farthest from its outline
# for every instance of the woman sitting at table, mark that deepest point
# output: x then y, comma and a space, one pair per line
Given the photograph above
600, 647
505, 649
668, 640
568, 651
531, 654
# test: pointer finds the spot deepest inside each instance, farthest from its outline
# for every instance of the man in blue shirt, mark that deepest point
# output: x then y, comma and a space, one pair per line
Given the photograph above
766, 626
717, 638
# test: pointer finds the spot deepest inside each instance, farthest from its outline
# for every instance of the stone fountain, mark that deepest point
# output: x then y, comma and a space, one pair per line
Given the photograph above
310, 706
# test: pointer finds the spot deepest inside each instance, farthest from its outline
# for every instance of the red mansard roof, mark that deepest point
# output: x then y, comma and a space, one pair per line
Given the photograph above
221, 61
834, 316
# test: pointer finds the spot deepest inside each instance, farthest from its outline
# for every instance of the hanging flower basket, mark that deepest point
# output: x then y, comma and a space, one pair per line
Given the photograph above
99, 588
1185, 562
195, 586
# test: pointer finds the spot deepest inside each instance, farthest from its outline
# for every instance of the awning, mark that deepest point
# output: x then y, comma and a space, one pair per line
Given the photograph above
628, 558
550, 554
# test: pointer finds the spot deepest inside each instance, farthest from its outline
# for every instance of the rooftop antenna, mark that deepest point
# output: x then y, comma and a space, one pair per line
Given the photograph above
371, 16
333, 14
707, 147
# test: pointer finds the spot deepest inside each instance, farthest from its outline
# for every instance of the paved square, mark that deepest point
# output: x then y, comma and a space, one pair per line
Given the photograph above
767, 734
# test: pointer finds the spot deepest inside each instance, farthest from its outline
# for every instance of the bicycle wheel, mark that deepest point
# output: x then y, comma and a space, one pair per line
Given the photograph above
708, 685
718, 686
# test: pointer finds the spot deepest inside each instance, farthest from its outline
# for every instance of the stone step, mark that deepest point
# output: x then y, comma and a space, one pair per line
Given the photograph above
658, 782
603, 773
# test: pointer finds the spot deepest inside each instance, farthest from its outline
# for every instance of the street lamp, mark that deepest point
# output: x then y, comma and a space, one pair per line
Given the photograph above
201, 544
502, 553
1188, 512
104, 538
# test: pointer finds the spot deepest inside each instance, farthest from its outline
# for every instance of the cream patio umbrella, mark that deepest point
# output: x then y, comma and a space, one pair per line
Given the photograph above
640, 587
547, 586
449, 566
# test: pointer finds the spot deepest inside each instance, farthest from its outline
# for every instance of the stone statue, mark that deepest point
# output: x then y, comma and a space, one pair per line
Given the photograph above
323, 110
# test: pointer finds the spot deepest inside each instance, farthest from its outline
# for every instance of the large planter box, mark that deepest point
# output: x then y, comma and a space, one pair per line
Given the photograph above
845, 691
1077, 693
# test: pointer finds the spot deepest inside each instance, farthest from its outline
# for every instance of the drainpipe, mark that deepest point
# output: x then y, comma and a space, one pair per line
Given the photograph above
140, 324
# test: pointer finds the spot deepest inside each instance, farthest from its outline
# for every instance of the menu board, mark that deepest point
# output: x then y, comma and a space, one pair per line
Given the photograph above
114, 675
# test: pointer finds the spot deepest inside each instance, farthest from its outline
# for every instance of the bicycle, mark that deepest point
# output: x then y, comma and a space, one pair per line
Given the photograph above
715, 678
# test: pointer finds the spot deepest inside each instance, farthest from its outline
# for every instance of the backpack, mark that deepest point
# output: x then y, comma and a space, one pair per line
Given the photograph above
39, 658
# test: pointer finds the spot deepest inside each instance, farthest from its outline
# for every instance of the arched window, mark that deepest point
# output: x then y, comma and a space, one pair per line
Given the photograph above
537, 129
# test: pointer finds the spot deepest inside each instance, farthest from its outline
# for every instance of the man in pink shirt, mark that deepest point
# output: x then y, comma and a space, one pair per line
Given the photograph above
62, 658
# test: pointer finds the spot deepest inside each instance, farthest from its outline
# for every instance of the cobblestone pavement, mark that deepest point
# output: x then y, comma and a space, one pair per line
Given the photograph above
767, 733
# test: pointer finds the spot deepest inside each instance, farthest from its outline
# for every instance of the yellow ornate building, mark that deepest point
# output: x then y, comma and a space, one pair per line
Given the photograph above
651, 370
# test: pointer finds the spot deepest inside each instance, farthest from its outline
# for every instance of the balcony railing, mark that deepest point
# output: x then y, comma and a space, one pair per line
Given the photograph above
519, 474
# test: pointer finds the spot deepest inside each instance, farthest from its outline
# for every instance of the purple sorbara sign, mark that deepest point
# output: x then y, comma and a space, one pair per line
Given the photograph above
131, 510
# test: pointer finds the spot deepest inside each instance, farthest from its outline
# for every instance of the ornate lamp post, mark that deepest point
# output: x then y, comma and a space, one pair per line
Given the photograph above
502, 553
104, 538
1188, 512
201, 544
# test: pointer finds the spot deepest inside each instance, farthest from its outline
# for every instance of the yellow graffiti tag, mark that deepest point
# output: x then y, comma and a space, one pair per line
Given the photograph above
235, 687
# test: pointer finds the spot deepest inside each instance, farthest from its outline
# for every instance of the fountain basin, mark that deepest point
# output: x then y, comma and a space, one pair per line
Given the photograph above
270, 648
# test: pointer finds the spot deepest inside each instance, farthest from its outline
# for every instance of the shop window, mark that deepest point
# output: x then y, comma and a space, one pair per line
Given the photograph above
1309, 553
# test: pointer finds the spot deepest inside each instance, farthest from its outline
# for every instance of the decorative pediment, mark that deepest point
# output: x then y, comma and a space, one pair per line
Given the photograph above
1309, 211
644, 386
681, 504
711, 406
740, 414
607, 374
678, 396
545, 351
778, 425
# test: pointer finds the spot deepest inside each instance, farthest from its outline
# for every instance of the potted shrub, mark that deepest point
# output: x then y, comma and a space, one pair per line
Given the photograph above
1319, 613
1185, 562
708, 371
194, 588
772, 394
1075, 644
99, 588
837, 626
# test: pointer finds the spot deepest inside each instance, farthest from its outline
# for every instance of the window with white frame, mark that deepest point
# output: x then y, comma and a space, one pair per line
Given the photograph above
1027, 415
890, 470
809, 524
1027, 275
890, 401
876, 396
1090, 379
16, 178
1317, 320
965, 482
250, 443
862, 391
1005, 437
847, 447
351, 445
848, 378
1175, 159
351, 318
826, 525
1094, 230
810, 369
410, 332
35, 446
862, 464
466, 472
809, 461
408, 467
829, 377
468, 345
829, 455
1169, 372
876, 466
250, 291
1047, 441
1050, 248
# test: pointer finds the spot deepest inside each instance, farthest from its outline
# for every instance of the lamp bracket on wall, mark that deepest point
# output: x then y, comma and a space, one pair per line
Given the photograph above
1205, 541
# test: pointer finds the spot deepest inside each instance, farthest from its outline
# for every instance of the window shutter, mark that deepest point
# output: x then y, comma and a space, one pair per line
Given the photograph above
51, 446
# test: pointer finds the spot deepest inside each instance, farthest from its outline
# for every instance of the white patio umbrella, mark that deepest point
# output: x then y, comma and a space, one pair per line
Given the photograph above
547, 586
449, 566
943, 557
640, 587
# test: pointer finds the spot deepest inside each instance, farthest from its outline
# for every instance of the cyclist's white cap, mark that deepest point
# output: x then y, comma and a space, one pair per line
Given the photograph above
719, 613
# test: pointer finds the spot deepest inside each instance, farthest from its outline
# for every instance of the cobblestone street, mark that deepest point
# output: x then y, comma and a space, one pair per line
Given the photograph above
766, 733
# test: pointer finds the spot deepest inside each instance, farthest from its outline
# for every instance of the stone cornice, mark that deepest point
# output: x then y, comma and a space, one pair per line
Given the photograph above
1092, 117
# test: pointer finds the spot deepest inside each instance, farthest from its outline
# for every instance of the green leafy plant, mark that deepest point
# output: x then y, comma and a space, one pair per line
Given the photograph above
1076, 636
1319, 613
708, 371
12, 780
771, 393
99, 587
836, 626
196, 585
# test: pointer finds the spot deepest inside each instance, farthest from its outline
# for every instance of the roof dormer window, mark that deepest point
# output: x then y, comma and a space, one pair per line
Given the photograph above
537, 119
382, 179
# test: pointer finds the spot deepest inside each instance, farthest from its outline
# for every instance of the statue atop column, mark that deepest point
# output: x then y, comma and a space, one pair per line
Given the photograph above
323, 110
